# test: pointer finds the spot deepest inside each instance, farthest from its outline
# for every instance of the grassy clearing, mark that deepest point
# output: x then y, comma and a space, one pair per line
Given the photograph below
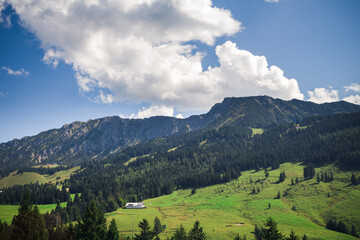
135, 158
31, 177
256, 131
7, 212
21, 179
61, 175
229, 209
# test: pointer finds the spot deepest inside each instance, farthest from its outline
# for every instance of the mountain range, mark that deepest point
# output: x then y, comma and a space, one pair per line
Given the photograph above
103, 137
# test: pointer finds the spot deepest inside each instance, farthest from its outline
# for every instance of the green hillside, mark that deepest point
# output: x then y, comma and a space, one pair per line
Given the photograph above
32, 177
231, 208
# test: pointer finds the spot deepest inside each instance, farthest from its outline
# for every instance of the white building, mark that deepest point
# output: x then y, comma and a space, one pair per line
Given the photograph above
135, 205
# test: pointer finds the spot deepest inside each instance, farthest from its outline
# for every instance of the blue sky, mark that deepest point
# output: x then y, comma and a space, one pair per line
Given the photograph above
149, 59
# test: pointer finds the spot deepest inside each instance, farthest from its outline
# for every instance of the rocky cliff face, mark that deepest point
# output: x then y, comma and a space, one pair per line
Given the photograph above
102, 137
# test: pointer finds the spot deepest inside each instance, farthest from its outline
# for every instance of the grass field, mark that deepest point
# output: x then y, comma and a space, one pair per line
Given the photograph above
227, 209
7, 212
256, 131
31, 177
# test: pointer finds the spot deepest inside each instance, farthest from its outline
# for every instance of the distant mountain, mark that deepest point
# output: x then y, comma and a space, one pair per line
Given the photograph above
99, 138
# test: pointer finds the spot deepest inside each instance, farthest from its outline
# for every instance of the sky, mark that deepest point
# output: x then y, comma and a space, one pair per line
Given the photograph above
75, 60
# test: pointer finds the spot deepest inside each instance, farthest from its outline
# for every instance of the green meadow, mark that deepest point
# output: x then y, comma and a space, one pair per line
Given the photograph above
229, 209
31, 177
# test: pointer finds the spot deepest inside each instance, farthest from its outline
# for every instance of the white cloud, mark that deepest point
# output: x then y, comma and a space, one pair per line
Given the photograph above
154, 111
243, 74
139, 51
355, 87
353, 99
5, 20
323, 95
21, 72
2, 94
272, 1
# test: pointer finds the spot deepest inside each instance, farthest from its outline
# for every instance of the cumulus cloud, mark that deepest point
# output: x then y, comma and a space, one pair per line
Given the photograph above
21, 72
353, 99
145, 51
323, 95
153, 111
355, 87
272, 1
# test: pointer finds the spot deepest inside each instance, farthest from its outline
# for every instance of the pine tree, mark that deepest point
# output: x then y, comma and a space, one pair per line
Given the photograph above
292, 236
354, 180
5, 231
29, 223
180, 234
145, 232
93, 224
292, 182
278, 195
258, 232
112, 233
197, 233
157, 226
270, 231
304, 237
237, 237
353, 231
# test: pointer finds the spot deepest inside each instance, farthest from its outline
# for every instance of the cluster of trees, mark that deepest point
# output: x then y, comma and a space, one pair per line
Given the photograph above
282, 176
29, 224
40, 194
44, 170
270, 232
325, 177
354, 180
340, 226
309, 171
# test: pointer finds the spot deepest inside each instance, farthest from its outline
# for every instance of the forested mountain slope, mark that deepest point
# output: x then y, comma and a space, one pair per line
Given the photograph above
99, 138
221, 155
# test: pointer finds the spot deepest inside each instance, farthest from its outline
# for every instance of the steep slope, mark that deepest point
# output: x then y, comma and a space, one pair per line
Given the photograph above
265, 112
99, 138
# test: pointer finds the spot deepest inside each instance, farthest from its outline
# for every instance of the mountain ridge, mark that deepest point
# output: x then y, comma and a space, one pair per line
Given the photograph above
99, 138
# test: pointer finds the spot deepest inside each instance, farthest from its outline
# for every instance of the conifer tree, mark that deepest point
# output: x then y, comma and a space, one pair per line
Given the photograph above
29, 224
292, 236
354, 180
157, 226
258, 232
197, 233
180, 234
145, 232
93, 224
112, 233
278, 195
353, 231
5, 231
270, 231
